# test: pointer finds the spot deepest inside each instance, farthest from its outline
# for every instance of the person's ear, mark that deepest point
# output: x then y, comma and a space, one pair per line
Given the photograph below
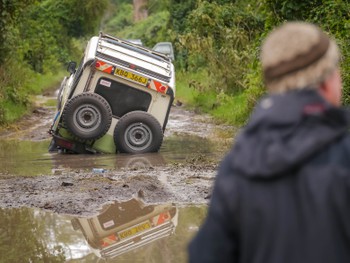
330, 88
324, 89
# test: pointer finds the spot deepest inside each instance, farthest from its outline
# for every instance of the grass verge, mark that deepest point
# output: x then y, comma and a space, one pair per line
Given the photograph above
230, 109
12, 110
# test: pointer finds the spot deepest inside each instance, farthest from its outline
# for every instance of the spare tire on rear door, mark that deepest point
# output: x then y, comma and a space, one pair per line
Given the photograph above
87, 116
138, 132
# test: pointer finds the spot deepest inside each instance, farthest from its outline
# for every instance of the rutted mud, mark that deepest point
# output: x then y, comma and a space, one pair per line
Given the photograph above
84, 193
32, 126
183, 172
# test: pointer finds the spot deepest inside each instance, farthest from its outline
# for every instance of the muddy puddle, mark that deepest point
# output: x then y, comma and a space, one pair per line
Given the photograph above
30, 158
121, 232
52, 199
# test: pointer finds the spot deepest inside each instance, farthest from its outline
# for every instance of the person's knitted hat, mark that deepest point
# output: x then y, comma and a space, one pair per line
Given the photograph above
297, 55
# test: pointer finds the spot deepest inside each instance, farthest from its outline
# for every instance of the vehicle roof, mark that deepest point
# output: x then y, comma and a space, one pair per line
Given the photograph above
135, 41
164, 43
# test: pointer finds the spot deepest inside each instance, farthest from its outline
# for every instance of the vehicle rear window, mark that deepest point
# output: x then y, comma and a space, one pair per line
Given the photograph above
163, 49
121, 97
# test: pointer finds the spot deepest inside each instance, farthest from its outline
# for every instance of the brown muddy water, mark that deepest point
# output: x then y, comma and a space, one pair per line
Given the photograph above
30, 158
117, 234
106, 208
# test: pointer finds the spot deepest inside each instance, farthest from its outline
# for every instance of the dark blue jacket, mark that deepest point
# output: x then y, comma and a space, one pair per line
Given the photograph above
282, 195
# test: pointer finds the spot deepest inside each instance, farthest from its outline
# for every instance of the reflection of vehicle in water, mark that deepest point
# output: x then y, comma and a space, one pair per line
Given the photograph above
124, 226
140, 161
126, 161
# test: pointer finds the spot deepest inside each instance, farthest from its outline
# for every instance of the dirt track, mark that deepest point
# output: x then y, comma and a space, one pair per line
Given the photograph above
78, 191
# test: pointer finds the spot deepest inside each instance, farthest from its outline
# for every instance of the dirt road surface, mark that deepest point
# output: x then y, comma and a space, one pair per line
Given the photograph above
80, 191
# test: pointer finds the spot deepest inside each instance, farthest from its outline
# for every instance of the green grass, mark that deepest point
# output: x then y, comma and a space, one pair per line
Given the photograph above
230, 109
12, 110
40, 82
184, 88
51, 103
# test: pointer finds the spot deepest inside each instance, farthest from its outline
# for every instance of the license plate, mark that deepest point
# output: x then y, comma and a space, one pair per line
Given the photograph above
134, 230
132, 76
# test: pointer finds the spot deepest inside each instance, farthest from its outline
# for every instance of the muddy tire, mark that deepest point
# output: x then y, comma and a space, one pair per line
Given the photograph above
138, 132
87, 116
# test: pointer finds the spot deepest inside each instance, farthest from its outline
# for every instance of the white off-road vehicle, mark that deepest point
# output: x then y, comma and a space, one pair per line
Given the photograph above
118, 99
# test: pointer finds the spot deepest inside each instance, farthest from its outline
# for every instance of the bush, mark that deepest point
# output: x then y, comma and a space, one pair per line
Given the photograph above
224, 38
36, 39
150, 31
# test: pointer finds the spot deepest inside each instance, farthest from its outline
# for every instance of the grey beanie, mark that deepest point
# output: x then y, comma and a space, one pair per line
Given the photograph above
297, 55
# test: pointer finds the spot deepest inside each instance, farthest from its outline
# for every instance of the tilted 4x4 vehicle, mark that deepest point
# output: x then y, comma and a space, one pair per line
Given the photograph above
118, 99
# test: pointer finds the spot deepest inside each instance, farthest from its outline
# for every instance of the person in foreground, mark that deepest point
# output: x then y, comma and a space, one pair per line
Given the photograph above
283, 192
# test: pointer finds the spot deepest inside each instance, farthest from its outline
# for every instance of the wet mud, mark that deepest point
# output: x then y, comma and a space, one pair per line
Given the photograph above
183, 172
83, 193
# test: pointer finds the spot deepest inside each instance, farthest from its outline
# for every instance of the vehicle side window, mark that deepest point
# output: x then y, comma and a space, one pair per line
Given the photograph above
121, 97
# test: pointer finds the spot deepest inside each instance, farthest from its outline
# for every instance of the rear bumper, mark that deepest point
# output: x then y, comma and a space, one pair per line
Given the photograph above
72, 146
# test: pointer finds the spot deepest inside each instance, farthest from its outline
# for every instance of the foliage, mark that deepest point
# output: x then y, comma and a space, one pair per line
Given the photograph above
156, 6
38, 37
179, 12
224, 37
121, 18
150, 31
10, 14
221, 38
227, 108
332, 16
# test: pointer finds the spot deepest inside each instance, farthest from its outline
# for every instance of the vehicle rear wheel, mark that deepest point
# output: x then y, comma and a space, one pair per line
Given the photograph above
87, 116
138, 132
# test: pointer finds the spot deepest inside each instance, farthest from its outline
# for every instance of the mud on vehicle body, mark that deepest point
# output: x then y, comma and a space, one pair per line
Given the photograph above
118, 99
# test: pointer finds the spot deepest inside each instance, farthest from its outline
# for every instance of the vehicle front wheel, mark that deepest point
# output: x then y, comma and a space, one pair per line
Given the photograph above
138, 132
